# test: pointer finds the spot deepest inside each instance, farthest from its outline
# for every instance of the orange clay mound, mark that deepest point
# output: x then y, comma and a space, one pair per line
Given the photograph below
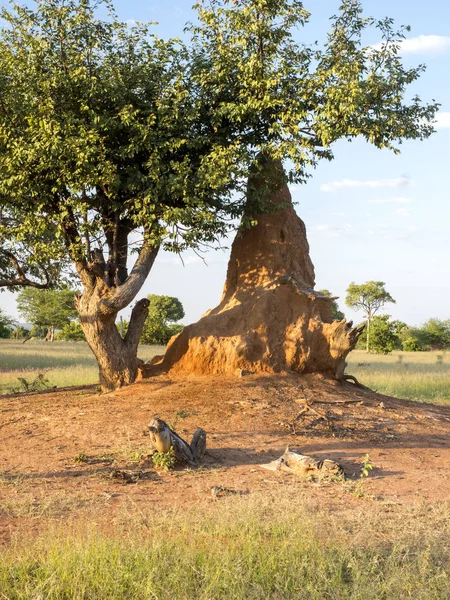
269, 319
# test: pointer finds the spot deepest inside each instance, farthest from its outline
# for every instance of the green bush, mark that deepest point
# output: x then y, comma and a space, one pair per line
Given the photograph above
71, 332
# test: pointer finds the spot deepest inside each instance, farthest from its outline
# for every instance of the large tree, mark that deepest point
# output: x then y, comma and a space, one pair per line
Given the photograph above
102, 140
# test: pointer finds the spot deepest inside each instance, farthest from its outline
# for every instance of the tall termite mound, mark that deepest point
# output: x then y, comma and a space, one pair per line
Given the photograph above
269, 319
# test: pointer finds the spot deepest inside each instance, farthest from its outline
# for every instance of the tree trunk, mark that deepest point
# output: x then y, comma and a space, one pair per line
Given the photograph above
116, 356
368, 333
270, 319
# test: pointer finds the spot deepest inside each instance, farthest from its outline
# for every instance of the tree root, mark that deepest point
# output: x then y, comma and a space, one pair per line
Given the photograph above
353, 379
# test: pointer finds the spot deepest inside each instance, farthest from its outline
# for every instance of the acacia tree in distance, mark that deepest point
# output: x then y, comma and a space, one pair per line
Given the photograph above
116, 137
52, 309
368, 297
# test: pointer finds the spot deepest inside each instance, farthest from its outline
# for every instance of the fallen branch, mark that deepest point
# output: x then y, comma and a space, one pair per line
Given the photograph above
305, 466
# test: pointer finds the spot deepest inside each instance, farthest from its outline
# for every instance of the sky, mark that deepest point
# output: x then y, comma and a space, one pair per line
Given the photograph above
369, 214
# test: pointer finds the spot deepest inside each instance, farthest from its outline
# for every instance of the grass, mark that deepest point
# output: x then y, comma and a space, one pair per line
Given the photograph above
241, 548
421, 376
64, 363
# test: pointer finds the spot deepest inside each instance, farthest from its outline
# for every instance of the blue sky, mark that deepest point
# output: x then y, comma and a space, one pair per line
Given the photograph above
369, 214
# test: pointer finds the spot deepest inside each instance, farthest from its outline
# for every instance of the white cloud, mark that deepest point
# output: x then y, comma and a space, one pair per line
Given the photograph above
131, 22
422, 44
402, 212
355, 183
394, 200
442, 120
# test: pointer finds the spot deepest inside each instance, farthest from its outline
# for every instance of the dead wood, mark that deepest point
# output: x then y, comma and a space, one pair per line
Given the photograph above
305, 466
164, 438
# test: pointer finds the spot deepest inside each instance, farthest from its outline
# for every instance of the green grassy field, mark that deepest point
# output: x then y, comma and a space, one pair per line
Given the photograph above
64, 363
421, 376
249, 548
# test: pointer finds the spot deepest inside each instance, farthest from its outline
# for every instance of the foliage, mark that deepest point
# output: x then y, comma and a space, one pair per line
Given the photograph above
412, 344
285, 100
39, 383
47, 308
19, 333
6, 325
159, 326
164, 460
383, 335
435, 333
368, 297
337, 314
71, 332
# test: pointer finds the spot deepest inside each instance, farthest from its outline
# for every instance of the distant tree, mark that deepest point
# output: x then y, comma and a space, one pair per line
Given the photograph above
368, 297
435, 334
337, 314
51, 309
6, 325
71, 332
19, 333
160, 324
412, 344
384, 337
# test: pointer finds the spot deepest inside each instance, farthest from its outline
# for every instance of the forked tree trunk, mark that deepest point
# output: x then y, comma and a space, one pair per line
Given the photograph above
116, 356
270, 319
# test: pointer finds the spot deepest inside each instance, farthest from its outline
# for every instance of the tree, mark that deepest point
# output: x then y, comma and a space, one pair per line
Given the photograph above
435, 333
368, 297
6, 325
384, 337
52, 309
160, 324
71, 332
337, 314
102, 138
112, 135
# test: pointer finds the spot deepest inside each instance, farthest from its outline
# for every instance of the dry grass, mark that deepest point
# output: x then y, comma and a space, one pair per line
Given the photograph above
63, 363
421, 376
254, 547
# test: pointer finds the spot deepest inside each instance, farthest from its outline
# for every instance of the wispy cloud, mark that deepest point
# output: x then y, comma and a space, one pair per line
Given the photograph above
394, 200
422, 44
442, 120
402, 212
355, 183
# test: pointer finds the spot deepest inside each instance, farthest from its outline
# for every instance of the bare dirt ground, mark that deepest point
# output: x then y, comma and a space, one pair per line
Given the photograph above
74, 454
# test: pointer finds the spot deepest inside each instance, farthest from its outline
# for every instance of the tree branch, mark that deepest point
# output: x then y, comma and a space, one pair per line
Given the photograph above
125, 293
137, 320
21, 279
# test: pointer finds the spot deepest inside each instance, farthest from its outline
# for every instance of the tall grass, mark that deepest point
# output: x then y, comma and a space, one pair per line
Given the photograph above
422, 376
243, 549
64, 363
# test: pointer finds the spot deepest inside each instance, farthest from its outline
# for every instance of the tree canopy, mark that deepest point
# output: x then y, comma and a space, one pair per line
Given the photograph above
47, 308
163, 312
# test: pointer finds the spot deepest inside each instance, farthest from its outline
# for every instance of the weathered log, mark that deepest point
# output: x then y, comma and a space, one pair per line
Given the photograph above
163, 438
305, 466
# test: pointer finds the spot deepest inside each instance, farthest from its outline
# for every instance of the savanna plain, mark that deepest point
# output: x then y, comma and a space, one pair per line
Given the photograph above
84, 513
